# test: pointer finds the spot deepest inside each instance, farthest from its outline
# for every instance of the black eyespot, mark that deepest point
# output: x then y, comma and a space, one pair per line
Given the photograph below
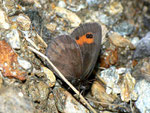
89, 35
77, 38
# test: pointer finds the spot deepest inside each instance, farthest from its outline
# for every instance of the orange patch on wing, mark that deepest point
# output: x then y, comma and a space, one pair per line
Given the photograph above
83, 39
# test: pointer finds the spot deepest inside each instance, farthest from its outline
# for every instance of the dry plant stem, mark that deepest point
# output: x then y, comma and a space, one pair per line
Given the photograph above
64, 79
32, 43
41, 40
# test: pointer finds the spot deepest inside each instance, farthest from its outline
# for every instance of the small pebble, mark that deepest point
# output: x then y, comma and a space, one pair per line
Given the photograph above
143, 47
121, 70
24, 63
124, 28
51, 77
94, 2
68, 15
120, 41
115, 8
110, 77
66, 103
135, 41
61, 4
4, 20
13, 38
98, 91
51, 26
38, 91
23, 22
127, 87
107, 20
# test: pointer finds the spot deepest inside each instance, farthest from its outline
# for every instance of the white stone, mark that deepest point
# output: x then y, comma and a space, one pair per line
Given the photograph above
3, 20
13, 38
24, 63
135, 41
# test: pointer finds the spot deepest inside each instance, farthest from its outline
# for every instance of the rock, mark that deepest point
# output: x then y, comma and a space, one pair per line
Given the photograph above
51, 106
127, 87
50, 76
142, 70
121, 70
107, 20
61, 3
114, 8
4, 20
142, 88
94, 2
35, 18
77, 7
39, 92
8, 62
123, 28
110, 77
25, 2
66, 103
135, 41
37, 4
119, 41
68, 15
23, 22
12, 100
143, 47
24, 63
13, 38
10, 6
118, 82
146, 21
99, 92
104, 32
145, 68
51, 26
109, 58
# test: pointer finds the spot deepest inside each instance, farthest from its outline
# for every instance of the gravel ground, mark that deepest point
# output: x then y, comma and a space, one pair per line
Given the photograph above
120, 80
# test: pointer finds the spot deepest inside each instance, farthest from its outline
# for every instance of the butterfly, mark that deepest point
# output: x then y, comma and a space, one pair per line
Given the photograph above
75, 55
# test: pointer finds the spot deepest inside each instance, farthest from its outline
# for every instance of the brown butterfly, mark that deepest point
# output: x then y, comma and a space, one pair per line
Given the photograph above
75, 55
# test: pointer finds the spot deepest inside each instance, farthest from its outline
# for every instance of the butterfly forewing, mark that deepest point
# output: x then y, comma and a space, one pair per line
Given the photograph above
88, 37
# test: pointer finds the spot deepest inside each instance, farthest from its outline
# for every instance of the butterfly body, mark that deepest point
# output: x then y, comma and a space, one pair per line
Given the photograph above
75, 55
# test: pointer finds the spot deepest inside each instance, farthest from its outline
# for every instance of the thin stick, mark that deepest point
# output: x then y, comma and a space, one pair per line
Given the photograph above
41, 40
32, 43
63, 78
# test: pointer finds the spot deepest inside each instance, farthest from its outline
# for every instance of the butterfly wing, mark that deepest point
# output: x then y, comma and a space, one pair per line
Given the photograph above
88, 37
65, 54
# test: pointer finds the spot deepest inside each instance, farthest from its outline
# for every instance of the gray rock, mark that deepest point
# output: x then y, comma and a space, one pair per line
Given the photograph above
66, 103
135, 41
61, 4
111, 78
124, 28
94, 2
107, 20
143, 47
12, 100
24, 64
13, 38
142, 88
